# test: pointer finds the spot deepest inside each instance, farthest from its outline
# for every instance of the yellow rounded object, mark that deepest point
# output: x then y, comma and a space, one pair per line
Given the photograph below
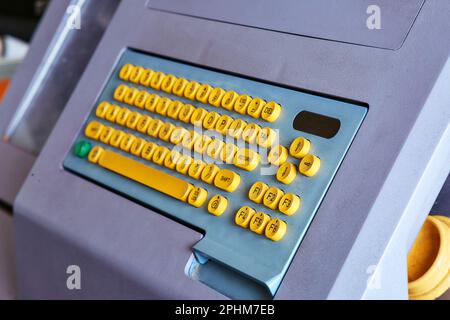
217, 205
310, 165
210, 120
166, 131
289, 204
196, 169
127, 142
272, 197
259, 222
93, 130
429, 260
171, 159
229, 99
228, 152
197, 117
112, 113
197, 197
162, 106
157, 80
177, 135
191, 90
266, 137
125, 71
133, 120
141, 98
209, 173
168, 82
183, 164
116, 138
216, 96
201, 143
278, 155
189, 139
243, 216
136, 147
131, 95
287, 173
223, 123
257, 191
227, 180
146, 77
106, 134
255, 107
214, 148
95, 154
160, 155
136, 74
186, 112
143, 123
120, 92
203, 93
179, 86
271, 112
102, 109
154, 127
276, 229
250, 132
236, 128
300, 147
122, 116
241, 104
152, 102
148, 150
174, 109
246, 159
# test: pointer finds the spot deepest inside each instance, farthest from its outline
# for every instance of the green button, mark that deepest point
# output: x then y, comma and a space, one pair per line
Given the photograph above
82, 149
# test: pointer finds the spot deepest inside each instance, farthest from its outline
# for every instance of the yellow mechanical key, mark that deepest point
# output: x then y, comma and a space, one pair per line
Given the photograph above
179, 86
278, 155
125, 71
229, 99
241, 104
289, 204
116, 138
246, 159
227, 180
201, 143
272, 197
106, 134
135, 76
259, 222
276, 229
167, 83
190, 139
198, 116
137, 146
210, 120
266, 137
133, 120
271, 111
146, 77
236, 128
203, 93
162, 106
143, 123
287, 173
191, 90
93, 130
148, 150
310, 165
166, 131
122, 116
251, 131
257, 191
183, 164
148, 176
171, 159
177, 135
186, 112
228, 152
127, 142
300, 147
215, 97
131, 95
121, 92
102, 109
197, 197
223, 123
255, 107
95, 154
157, 80
141, 99
112, 113
243, 216
160, 155
214, 148
196, 169
209, 173
174, 109
154, 127
217, 205
152, 102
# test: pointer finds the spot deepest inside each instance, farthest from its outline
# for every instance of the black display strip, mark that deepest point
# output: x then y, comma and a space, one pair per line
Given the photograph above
317, 124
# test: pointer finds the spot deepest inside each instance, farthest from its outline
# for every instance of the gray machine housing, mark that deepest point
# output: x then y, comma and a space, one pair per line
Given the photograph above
355, 248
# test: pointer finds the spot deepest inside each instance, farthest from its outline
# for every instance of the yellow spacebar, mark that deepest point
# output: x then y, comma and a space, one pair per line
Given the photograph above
150, 177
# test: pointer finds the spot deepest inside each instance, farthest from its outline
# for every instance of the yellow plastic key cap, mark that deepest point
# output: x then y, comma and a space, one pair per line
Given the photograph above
116, 138
210, 120
201, 143
257, 191
136, 74
266, 137
102, 109
120, 92
197, 197
236, 128
94, 130
272, 197
259, 222
152, 102
198, 116
148, 150
215, 97
127, 142
95, 154
163, 105
255, 107
112, 113
177, 135
271, 112
148, 176
186, 112
203, 93
157, 80
131, 95
174, 109
229, 99
310, 165
125, 71
106, 134
146, 77
166, 131
141, 99
137, 146
227, 180
276, 229
246, 159
251, 131
289, 204
223, 123
190, 139
217, 205
154, 127
191, 90
241, 104
133, 120
228, 152
278, 155
179, 86
244, 216
287, 173
300, 147
122, 116
214, 148
183, 164
143, 123
160, 155
209, 173
167, 83
196, 169
171, 159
